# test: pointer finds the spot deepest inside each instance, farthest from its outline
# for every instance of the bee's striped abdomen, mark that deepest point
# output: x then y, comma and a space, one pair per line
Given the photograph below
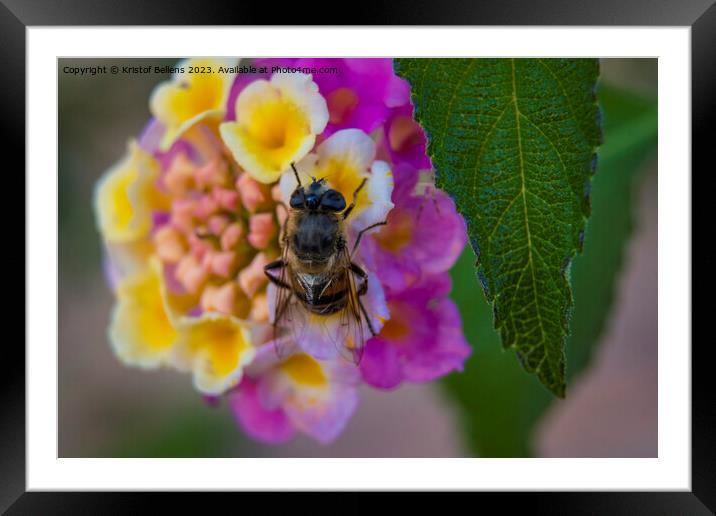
323, 294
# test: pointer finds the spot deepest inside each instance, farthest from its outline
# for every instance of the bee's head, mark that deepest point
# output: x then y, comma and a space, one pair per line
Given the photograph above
317, 196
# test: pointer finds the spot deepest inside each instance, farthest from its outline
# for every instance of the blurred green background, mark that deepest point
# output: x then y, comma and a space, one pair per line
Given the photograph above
493, 408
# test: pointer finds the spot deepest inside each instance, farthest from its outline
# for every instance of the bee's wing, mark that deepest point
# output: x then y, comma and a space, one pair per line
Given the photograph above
289, 318
350, 337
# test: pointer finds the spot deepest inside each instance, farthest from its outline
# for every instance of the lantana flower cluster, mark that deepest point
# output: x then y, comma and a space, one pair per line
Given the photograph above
194, 211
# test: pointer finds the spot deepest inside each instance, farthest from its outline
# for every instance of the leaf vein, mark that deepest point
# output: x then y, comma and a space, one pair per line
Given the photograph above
524, 204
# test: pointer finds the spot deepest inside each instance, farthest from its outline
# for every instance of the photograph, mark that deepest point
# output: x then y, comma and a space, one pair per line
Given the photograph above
357, 257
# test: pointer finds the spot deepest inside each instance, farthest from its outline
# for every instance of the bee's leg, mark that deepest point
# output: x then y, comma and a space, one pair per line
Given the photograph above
367, 319
352, 205
362, 231
358, 271
277, 264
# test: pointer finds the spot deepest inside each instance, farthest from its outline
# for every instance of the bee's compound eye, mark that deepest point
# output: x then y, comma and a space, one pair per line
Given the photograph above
333, 200
298, 198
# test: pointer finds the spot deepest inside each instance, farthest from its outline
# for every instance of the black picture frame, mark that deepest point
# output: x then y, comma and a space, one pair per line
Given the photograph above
700, 15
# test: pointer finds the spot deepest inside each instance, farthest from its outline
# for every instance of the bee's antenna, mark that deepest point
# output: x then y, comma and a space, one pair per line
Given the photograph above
298, 179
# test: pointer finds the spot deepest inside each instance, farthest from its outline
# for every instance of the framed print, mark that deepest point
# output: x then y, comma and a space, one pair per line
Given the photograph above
440, 257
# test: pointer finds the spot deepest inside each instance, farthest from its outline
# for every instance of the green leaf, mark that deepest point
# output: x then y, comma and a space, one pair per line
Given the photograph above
513, 141
500, 404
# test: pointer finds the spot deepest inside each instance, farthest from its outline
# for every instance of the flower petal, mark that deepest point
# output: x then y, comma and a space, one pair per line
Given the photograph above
126, 258
300, 89
380, 365
276, 124
325, 417
359, 95
379, 192
423, 339
424, 235
324, 421
404, 139
142, 332
192, 97
264, 424
151, 135
350, 149
125, 196
318, 397
449, 352
440, 224
216, 348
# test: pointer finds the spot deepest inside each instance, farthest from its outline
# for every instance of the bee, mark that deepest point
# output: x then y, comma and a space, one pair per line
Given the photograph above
316, 276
